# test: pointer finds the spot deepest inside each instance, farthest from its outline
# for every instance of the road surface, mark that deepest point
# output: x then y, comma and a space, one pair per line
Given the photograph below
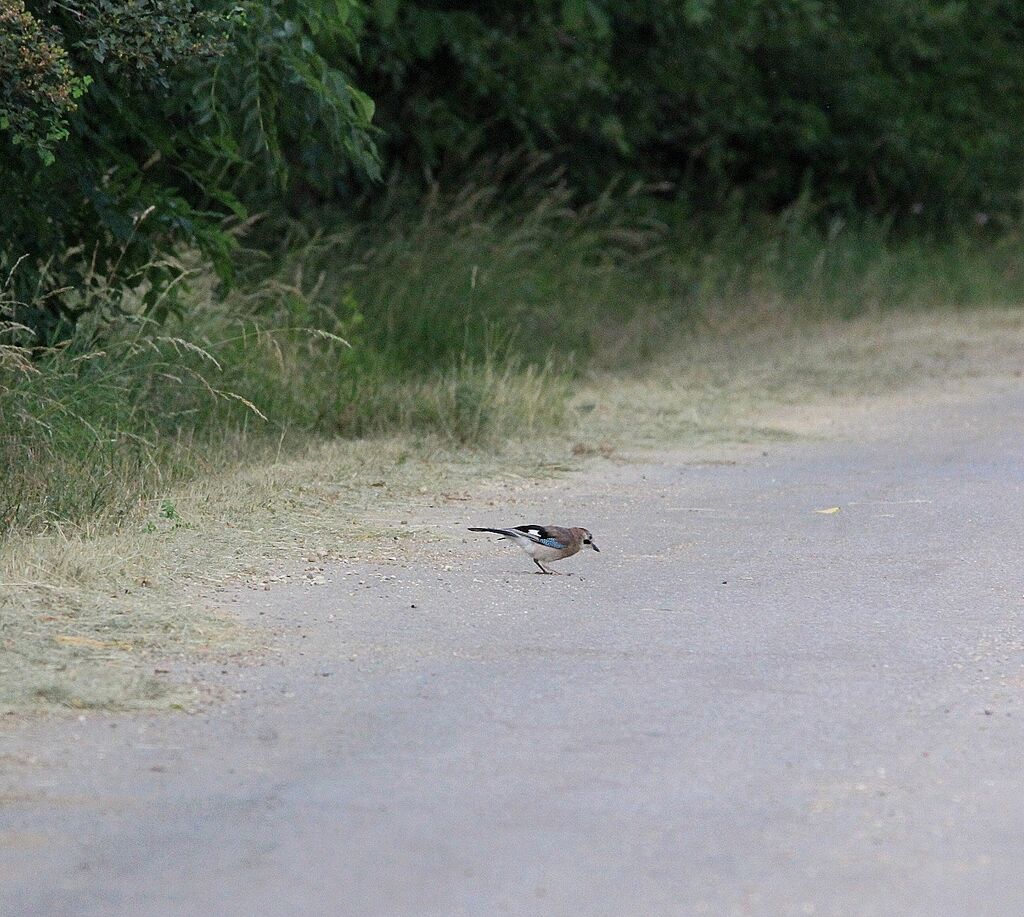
744, 705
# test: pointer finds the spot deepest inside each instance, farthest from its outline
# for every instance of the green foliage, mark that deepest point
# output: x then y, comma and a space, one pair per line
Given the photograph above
288, 119
145, 41
907, 108
192, 115
38, 88
168, 122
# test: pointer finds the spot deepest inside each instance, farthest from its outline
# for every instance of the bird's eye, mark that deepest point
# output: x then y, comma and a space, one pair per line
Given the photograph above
586, 541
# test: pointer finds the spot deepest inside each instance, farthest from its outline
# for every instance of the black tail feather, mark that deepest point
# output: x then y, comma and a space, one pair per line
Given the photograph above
494, 531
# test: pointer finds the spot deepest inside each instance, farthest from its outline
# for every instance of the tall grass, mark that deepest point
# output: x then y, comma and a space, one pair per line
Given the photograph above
616, 279
465, 318
468, 277
846, 269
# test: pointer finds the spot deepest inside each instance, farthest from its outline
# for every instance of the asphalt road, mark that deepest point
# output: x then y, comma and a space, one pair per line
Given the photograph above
743, 705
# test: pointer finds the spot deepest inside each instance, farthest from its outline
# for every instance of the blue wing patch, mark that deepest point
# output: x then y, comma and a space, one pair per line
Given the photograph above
552, 542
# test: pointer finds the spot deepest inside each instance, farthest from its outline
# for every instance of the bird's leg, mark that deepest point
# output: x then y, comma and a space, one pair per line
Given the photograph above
541, 567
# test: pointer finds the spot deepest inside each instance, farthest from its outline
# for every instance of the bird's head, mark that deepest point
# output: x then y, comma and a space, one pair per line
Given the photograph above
588, 539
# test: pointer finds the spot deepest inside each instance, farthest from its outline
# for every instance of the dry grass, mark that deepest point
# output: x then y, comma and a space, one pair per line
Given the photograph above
779, 378
88, 616
90, 619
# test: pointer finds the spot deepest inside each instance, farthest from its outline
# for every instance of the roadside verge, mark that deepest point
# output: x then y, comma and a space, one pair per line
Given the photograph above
89, 619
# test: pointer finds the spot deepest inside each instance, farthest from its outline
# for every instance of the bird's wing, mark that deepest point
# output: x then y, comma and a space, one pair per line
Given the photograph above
538, 534
541, 535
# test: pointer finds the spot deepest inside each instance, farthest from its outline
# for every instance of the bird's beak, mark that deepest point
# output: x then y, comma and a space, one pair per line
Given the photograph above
595, 547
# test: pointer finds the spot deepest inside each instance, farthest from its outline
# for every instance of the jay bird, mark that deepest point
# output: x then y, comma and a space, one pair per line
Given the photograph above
546, 543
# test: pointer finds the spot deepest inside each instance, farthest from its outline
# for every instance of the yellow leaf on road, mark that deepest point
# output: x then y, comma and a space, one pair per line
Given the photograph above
829, 511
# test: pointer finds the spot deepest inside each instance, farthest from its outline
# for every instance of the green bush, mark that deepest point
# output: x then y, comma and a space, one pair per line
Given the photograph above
39, 89
185, 115
906, 108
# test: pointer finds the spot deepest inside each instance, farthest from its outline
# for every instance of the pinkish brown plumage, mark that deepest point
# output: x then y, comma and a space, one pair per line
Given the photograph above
546, 543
